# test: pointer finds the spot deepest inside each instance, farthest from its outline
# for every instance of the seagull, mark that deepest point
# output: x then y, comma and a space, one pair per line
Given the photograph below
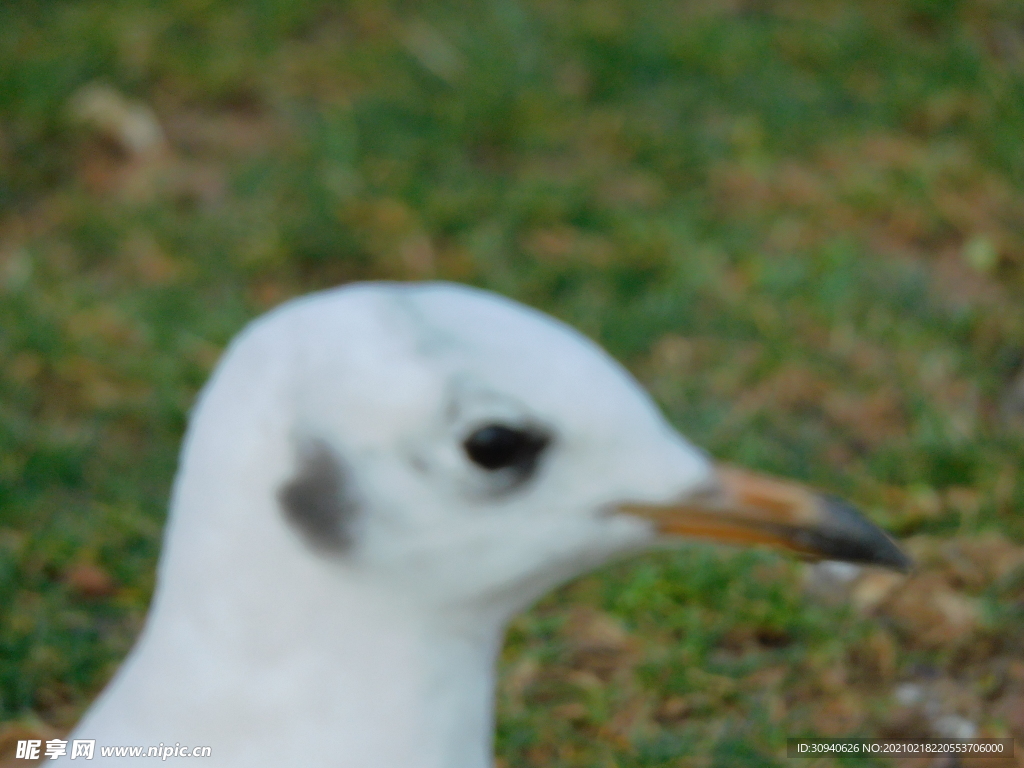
375, 479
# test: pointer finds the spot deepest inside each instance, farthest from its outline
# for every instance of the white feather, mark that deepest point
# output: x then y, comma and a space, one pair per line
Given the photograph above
275, 653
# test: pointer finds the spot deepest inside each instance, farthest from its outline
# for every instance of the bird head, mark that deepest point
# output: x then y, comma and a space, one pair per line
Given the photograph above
461, 449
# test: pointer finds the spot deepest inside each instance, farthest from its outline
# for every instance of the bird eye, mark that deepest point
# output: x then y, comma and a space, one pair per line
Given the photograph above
497, 446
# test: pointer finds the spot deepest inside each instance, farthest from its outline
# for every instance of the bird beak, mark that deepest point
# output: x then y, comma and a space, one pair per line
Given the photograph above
747, 508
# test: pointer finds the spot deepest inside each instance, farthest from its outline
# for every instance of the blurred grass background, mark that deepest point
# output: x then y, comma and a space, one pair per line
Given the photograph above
799, 222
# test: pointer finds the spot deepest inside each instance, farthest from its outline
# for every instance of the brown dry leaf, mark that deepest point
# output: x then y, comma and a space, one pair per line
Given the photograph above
93, 382
915, 504
518, 680
963, 500
103, 323
585, 680
222, 133
131, 124
672, 354
202, 352
1010, 710
766, 678
748, 638
841, 713
673, 360
873, 587
24, 367
573, 712
455, 262
635, 189
435, 53
127, 151
798, 186
672, 709
983, 560
1011, 404
926, 551
863, 357
201, 184
875, 658
148, 261
599, 642
930, 612
394, 233
268, 293
873, 419
792, 387
389, 216
89, 580
561, 242
417, 254
1015, 673
629, 719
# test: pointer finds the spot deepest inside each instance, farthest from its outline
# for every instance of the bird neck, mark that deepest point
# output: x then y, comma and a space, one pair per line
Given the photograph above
333, 677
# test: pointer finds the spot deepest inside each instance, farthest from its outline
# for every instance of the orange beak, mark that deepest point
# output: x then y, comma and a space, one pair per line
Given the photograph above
746, 508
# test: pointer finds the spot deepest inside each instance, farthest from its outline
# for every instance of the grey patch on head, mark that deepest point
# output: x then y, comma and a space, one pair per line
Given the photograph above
318, 501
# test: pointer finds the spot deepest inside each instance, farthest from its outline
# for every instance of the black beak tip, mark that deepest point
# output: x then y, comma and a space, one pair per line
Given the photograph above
847, 535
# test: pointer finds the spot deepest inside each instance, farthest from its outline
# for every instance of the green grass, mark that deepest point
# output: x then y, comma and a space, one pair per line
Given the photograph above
801, 224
